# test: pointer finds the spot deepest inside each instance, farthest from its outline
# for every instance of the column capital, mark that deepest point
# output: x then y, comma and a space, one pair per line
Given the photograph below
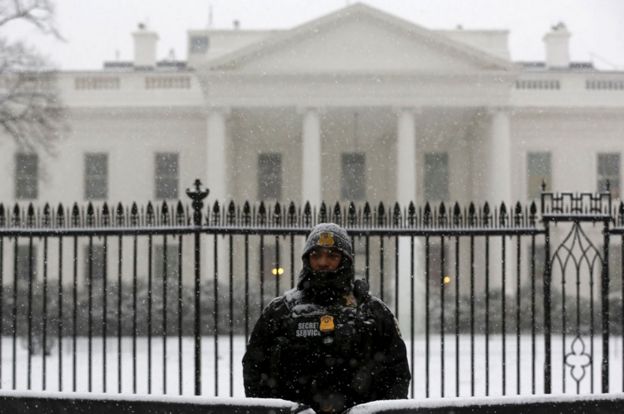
414, 110
499, 109
223, 110
319, 110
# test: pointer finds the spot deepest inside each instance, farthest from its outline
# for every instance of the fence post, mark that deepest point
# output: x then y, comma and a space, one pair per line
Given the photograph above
197, 194
605, 295
547, 298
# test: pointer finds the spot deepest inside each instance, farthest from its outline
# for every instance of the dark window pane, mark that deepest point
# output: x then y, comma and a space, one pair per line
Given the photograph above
538, 171
94, 263
96, 176
269, 176
436, 176
23, 270
169, 263
199, 44
26, 176
167, 173
353, 183
609, 171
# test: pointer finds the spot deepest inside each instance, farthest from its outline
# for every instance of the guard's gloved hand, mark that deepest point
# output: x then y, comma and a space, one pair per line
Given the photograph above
360, 290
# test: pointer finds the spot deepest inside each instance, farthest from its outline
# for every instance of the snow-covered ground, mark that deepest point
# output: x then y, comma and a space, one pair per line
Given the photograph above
233, 386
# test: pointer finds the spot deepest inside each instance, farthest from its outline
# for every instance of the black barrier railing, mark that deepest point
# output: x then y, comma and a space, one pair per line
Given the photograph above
141, 300
54, 402
604, 404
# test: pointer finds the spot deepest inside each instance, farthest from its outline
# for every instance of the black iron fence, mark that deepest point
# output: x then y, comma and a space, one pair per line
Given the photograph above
492, 300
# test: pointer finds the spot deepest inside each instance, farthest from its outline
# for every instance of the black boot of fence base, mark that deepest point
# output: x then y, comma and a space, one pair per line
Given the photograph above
197, 194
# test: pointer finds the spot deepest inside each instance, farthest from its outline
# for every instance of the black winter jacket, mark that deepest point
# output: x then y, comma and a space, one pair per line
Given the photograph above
329, 357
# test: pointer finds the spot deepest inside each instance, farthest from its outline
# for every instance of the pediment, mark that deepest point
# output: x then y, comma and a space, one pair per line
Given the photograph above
358, 38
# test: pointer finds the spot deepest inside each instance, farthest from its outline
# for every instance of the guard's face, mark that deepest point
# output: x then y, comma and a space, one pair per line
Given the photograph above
324, 260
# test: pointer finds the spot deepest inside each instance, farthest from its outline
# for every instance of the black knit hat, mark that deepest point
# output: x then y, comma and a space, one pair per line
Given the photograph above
329, 235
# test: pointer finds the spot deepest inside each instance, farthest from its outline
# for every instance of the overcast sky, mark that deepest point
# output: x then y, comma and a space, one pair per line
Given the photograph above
99, 30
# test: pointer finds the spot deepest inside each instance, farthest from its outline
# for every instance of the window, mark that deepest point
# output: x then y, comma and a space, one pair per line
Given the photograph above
169, 263
353, 183
538, 171
269, 176
609, 171
199, 44
26, 176
438, 265
615, 269
23, 269
436, 176
96, 265
166, 175
96, 176
272, 268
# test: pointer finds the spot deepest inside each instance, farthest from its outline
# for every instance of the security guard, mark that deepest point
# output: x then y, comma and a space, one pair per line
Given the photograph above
327, 343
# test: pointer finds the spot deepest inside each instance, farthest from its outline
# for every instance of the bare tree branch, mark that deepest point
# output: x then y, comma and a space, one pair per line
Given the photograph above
30, 109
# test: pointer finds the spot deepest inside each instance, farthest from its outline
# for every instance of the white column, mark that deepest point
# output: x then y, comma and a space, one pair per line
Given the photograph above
499, 182
499, 190
311, 158
216, 166
406, 157
406, 182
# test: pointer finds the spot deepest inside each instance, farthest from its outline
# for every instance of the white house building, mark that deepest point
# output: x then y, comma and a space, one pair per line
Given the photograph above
355, 105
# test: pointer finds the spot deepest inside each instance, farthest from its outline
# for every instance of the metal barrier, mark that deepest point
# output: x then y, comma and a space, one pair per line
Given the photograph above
161, 300
603, 404
55, 402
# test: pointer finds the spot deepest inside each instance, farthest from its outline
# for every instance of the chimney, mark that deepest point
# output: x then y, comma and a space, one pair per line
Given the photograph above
144, 47
557, 47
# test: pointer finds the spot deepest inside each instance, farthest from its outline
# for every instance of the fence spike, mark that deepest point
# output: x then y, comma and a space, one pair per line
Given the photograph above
518, 213
2, 215
119, 215
427, 214
411, 213
367, 212
337, 214
216, 213
307, 214
105, 215
246, 213
16, 215
621, 211
75, 215
149, 216
134, 214
486, 214
46, 215
277, 213
502, 218
262, 213
472, 213
231, 213
90, 215
351, 214
323, 212
442, 209
396, 215
60, 215
292, 214
381, 214
180, 218
30, 215
456, 214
